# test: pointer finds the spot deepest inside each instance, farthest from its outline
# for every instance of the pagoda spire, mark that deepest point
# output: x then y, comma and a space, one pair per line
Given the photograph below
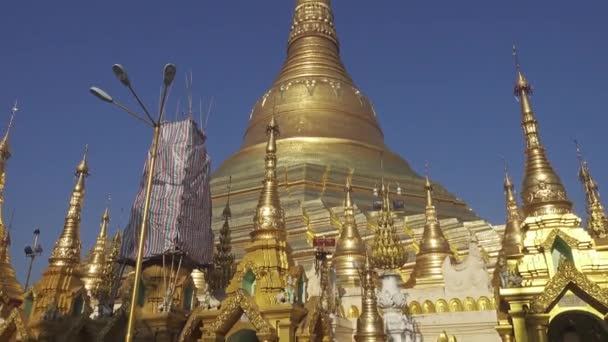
434, 247
388, 253
512, 243
350, 248
542, 191
94, 270
597, 222
224, 258
313, 48
269, 216
370, 327
67, 247
8, 282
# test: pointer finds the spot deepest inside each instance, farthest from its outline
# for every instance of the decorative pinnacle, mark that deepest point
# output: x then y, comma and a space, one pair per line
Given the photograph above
597, 222
522, 83
83, 167
5, 150
542, 191
370, 326
434, 247
513, 236
269, 214
350, 248
67, 248
388, 252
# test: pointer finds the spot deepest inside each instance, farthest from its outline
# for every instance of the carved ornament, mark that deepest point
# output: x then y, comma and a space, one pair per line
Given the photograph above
567, 275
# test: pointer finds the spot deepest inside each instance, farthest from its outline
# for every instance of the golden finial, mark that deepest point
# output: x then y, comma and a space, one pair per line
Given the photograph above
597, 222
512, 243
370, 326
388, 253
350, 248
269, 215
5, 150
434, 247
67, 247
9, 284
83, 167
94, 269
542, 191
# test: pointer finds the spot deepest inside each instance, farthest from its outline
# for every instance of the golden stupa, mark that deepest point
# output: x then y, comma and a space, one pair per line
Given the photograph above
328, 128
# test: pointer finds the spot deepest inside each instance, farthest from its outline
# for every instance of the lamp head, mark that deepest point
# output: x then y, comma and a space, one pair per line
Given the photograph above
169, 74
121, 74
100, 94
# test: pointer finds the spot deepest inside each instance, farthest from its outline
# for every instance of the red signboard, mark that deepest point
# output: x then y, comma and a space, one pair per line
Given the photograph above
323, 242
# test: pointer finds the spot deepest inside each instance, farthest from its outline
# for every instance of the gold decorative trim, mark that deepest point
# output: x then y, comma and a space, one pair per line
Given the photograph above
569, 240
568, 277
231, 311
16, 318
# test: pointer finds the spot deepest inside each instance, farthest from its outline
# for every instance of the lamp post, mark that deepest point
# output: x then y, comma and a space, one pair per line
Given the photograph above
32, 252
168, 76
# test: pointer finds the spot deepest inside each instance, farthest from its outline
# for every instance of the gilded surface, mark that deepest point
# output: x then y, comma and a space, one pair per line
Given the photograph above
95, 268
387, 251
67, 247
434, 248
8, 282
350, 248
328, 126
370, 326
597, 222
567, 275
542, 190
231, 311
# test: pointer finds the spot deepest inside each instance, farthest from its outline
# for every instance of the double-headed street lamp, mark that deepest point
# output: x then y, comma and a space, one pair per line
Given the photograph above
121, 74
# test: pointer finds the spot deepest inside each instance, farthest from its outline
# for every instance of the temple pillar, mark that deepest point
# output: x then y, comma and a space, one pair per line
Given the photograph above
506, 332
519, 323
537, 327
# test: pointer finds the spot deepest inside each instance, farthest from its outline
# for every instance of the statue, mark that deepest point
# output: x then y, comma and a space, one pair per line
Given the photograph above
52, 312
398, 326
208, 301
290, 290
281, 297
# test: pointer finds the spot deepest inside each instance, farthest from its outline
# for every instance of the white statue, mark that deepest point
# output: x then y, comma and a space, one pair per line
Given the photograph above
208, 301
398, 326
468, 278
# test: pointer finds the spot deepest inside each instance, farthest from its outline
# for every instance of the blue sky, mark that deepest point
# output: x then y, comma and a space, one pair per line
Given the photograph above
440, 74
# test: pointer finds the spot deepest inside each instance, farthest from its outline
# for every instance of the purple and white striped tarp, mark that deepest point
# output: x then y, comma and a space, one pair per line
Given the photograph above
180, 204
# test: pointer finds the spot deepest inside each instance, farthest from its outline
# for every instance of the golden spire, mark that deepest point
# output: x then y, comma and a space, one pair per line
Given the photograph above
313, 45
542, 191
388, 253
434, 247
350, 249
8, 282
597, 222
95, 268
223, 260
370, 327
269, 216
512, 243
313, 87
67, 247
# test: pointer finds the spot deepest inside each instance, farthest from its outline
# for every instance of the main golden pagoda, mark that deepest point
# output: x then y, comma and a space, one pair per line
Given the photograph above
329, 130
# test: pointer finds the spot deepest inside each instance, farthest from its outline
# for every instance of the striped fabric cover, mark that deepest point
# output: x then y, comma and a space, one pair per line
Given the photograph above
180, 205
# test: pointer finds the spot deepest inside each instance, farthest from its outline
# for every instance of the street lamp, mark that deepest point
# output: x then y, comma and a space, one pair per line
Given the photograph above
168, 77
32, 252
